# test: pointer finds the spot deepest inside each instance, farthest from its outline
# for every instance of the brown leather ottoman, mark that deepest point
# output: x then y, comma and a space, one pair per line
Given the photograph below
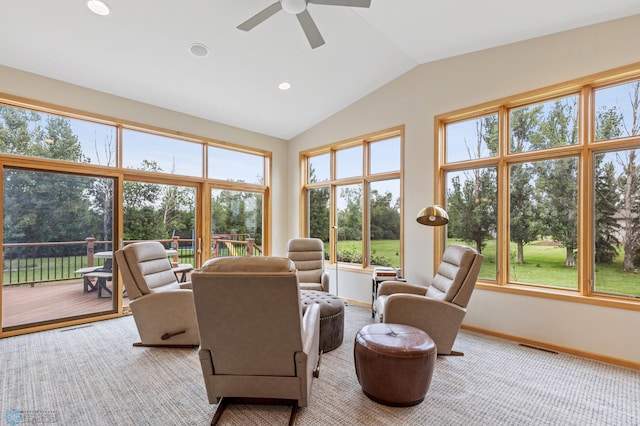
331, 317
394, 363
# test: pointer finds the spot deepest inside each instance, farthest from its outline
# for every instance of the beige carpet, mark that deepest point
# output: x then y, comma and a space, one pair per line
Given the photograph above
91, 375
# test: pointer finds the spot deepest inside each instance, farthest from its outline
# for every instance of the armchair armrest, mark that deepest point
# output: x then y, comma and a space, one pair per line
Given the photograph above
392, 287
166, 318
311, 328
307, 361
324, 280
440, 319
162, 300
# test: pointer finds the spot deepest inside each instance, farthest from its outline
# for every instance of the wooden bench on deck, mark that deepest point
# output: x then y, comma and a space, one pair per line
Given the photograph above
101, 277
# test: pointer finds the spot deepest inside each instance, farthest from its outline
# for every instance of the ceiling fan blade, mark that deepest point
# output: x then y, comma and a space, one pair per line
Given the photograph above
349, 3
310, 29
260, 17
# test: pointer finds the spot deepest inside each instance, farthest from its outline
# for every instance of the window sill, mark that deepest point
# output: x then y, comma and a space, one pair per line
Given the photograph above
564, 295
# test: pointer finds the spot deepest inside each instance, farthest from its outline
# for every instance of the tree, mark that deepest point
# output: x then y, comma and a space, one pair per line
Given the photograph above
629, 184
524, 215
605, 208
42, 206
142, 219
472, 204
558, 179
319, 213
606, 197
235, 212
318, 209
385, 216
350, 217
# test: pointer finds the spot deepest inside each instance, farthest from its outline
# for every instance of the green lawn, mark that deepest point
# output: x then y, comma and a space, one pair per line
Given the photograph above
544, 265
383, 252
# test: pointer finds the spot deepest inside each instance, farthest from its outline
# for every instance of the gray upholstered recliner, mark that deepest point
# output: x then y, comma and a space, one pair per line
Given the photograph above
308, 256
162, 308
438, 309
255, 344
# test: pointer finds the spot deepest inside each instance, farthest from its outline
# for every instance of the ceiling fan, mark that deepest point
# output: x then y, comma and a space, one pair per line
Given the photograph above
299, 8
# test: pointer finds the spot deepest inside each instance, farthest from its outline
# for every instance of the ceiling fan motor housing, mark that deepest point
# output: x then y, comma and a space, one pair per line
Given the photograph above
294, 6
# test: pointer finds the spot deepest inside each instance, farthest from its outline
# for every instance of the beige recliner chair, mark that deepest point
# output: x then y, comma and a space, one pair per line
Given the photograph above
438, 309
162, 308
308, 256
255, 345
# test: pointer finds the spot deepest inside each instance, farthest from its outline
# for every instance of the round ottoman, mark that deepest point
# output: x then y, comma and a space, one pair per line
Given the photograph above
394, 363
331, 317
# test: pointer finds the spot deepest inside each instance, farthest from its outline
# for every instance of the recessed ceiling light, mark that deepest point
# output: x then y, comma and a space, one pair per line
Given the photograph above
98, 7
198, 49
285, 85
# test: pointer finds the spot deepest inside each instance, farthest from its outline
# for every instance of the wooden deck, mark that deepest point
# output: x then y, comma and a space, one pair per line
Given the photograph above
28, 305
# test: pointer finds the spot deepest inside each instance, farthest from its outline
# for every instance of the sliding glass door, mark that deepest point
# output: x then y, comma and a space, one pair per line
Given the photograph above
53, 223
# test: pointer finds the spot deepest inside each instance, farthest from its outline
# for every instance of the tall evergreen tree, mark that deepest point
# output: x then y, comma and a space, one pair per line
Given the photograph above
558, 179
524, 214
605, 208
606, 196
318, 209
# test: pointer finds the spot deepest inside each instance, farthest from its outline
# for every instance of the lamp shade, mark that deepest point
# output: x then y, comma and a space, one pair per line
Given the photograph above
433, 216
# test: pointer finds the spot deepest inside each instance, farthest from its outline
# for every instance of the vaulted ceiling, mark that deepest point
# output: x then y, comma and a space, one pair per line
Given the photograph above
141, 49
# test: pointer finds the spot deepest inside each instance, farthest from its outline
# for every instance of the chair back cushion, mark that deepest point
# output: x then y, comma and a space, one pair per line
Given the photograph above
145, 268
249, 315
308, 256
456, 275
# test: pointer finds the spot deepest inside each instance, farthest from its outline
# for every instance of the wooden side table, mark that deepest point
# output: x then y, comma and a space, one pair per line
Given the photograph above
375, 282
181, 271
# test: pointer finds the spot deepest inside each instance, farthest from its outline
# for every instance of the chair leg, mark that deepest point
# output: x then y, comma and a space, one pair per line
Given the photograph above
224, 401
167, 345
453, 353
221, 406
316, 371
294, 411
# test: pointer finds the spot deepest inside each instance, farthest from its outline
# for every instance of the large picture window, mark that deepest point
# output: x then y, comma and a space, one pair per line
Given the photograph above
354, 189
75, 188
549, 189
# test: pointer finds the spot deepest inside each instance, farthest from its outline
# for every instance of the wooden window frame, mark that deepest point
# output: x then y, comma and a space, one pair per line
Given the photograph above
584, 150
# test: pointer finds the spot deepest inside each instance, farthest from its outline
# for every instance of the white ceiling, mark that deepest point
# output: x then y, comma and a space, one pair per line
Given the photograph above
140, 51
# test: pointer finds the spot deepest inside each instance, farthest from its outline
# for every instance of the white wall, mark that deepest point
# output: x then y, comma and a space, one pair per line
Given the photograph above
19, 83
436, 88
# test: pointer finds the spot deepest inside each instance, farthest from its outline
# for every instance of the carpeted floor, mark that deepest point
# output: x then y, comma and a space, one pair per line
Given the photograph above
92, 375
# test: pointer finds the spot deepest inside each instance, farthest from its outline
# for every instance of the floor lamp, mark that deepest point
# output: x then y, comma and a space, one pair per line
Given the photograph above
336, 243
433, 216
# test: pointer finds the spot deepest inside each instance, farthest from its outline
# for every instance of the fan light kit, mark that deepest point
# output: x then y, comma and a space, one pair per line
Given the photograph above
98, 7
299, 8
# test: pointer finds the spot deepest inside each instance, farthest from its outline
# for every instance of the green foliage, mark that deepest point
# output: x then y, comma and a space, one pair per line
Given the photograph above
606, 199
43, 206
471, 207
385, 216
234, 212
319, 213
350, 217
524, 215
